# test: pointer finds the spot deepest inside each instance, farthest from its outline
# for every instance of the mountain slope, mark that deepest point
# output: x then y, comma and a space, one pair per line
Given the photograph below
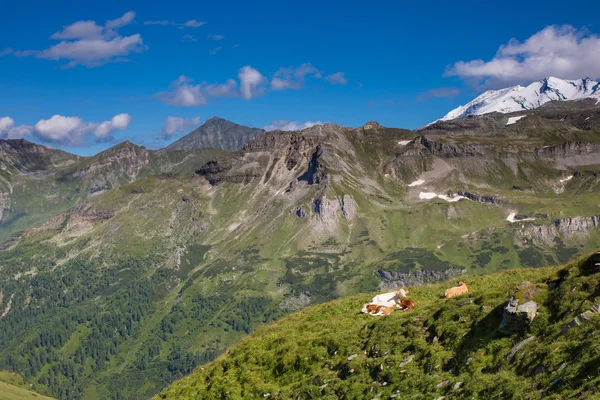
118, 292
444, 348
216, 133
519, 98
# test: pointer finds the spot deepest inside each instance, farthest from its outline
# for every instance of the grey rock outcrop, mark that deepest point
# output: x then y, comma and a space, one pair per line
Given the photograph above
582, 318
480, 198
393, 280
517, 318
348, 206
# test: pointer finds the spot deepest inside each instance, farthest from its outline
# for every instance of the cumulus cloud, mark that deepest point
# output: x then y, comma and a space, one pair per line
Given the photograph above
284, 125
80, 30
216, 37
251, 82
89, 44
103, 131
65, 130
336, 79
182, 93
192, 23
174, 125
8, 130
560, 51
448, 92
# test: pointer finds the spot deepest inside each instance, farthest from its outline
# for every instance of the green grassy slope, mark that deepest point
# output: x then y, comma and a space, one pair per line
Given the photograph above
444, 347
14, 387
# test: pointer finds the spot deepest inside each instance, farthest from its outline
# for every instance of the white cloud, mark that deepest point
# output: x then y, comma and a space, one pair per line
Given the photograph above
336, 79
65, 130
215, 51
251, 82
162, 22
216, 37
8, 130
293, 77
123, 20
174, 125
188, 38
6, 52
119, 122
228, 89
284, 125
183, 94
560, 51
80, 30
87, 43
192, 23
94, 52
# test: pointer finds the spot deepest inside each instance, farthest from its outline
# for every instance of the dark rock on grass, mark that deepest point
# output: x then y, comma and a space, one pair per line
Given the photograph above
517, 318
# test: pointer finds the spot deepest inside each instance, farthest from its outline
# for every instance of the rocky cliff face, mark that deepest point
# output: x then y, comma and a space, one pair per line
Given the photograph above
217, 133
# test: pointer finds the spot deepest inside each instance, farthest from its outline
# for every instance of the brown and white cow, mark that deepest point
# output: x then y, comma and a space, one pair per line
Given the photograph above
407, 304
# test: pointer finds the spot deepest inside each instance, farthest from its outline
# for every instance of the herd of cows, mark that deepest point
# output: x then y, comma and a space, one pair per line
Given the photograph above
386, 303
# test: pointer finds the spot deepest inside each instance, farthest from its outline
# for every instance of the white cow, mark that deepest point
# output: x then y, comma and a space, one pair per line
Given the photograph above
390, 299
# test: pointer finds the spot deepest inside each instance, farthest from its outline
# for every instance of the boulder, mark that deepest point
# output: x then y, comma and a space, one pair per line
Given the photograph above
517, 318
582, 318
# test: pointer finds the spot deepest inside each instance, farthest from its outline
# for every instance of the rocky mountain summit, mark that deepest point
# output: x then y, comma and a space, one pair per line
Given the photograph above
216, 133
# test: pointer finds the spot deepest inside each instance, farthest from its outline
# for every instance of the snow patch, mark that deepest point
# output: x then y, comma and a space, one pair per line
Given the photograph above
511, 218
403, 142
417, 183
567, 179
431, 195
513, 120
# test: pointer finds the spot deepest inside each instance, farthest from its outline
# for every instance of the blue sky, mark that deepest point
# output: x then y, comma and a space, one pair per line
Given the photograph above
87, 86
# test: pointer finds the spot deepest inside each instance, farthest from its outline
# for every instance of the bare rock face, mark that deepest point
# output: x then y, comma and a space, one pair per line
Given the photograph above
517, 318
326, 211
4, 202
577, 224
348, 206
393, 280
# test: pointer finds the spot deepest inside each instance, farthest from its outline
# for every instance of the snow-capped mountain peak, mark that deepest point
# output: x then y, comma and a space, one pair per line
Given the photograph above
518, 97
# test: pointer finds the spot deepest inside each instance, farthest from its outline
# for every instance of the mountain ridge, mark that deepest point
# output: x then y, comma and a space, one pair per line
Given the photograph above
521, 98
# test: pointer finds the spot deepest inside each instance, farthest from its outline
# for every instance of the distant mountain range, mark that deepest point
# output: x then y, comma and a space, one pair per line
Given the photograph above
216, 133
518, 98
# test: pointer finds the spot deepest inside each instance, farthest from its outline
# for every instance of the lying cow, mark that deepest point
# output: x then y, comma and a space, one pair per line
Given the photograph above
456, 290
375, 309
407, 304
387, 300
